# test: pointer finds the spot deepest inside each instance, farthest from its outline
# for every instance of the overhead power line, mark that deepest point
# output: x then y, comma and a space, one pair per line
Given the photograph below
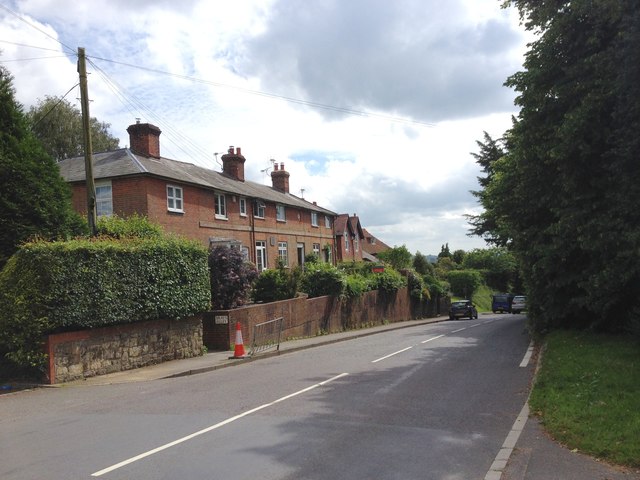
22, 19
348, 111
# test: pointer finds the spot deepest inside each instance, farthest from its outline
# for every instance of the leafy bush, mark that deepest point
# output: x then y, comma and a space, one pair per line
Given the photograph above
464, 282
417, 287
389, 281
134, 226
271, 286
435, 286
49, 287
231, 277
311, 258
322, 279
355, 285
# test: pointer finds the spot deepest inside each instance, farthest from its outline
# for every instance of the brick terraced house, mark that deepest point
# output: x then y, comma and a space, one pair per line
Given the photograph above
266, 222
349, 237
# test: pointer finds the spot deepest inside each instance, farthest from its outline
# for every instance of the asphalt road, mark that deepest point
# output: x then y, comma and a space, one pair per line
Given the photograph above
428, 402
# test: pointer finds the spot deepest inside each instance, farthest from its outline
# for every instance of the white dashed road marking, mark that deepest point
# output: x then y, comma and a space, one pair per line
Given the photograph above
212, 427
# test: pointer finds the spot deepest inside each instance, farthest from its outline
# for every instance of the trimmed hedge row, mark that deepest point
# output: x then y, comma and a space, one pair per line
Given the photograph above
50, 287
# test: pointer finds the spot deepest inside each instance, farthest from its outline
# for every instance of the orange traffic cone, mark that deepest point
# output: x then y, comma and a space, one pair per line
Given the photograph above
239, 350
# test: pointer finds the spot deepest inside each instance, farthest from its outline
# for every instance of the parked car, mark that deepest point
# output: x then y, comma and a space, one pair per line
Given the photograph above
462, 308
518, 304
501, 303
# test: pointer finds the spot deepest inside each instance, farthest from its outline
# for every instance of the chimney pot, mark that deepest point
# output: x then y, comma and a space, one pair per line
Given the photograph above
233, 163
280, 178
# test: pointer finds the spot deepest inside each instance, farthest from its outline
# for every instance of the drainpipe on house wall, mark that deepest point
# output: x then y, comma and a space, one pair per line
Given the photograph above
252, 237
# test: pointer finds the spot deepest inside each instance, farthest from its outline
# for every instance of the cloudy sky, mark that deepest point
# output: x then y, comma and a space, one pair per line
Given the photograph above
373, 105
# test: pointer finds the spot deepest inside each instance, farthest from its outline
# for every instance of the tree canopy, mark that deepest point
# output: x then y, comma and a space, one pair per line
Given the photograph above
58, 125
397, 257
34, 199
564, 193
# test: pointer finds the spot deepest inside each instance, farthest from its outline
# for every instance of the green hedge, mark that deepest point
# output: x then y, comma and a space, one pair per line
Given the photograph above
50, 287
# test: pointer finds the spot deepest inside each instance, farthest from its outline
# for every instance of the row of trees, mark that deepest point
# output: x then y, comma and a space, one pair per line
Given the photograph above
561, 188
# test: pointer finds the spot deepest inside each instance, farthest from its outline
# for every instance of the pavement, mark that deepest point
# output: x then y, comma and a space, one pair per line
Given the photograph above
536, 456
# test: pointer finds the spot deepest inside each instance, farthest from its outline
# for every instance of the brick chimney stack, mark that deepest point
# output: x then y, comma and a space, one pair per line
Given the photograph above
233, 164
144, 139
280, 178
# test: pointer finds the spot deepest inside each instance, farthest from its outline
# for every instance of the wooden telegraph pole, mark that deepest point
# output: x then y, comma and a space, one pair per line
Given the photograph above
88, 163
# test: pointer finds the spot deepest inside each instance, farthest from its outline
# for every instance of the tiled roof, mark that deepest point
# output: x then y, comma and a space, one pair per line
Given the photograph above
373, 248
123, 162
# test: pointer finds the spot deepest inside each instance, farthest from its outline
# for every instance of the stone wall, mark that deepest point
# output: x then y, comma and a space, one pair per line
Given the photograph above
86, 353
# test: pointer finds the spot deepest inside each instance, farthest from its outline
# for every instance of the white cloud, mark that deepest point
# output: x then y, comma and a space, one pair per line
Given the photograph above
421, 60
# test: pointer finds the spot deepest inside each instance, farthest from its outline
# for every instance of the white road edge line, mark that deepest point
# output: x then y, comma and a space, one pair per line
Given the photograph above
392, 354
527, 356
212, 427
432, 338
500, 462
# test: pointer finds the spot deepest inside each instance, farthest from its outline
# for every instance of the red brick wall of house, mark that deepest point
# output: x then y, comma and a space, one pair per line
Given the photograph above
148, 196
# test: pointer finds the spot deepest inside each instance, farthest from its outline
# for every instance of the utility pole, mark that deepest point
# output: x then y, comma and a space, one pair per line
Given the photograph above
88, 163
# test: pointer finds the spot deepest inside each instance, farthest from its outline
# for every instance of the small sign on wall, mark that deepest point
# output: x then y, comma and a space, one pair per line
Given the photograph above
221, 320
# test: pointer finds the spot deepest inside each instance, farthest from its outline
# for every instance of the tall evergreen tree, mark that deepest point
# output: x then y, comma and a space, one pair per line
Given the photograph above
34, 199
566, 193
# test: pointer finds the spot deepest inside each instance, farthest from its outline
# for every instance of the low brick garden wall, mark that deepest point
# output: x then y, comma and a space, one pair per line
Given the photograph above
307, 317
86, 353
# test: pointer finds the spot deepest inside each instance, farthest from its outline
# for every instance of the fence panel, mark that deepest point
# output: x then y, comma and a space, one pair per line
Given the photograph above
266, 336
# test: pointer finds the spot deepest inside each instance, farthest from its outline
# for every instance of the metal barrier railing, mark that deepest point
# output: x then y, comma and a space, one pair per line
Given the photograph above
266, 336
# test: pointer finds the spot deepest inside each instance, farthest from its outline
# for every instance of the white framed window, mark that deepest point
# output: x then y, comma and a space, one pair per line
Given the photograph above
283, 253
314, 219
316, 249
243, 207
356, 243
327, 221
174, 199
258, 209
221, 206
280, 213
104, 199
261, 255
346, 242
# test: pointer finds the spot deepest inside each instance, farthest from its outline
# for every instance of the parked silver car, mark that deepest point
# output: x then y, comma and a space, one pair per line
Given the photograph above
518, 304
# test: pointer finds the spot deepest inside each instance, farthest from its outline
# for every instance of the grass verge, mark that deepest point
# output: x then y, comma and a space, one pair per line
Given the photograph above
482, 298
588, 394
